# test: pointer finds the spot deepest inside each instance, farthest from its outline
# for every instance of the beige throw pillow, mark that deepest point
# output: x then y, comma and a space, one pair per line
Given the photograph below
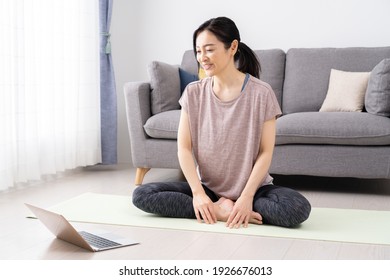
346, 91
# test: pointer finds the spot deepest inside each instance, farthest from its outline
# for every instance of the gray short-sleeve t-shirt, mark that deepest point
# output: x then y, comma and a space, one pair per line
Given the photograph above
226, 135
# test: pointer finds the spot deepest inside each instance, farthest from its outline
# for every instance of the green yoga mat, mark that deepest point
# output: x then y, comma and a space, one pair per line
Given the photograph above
329, 224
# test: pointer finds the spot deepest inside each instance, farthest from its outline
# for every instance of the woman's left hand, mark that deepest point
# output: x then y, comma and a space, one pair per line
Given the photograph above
241, 212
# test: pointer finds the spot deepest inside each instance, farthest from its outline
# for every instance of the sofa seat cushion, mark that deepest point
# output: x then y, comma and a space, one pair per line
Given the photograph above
333, 128
163, 125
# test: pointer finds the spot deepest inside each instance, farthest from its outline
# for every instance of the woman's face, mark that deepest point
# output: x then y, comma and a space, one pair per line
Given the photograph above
212, 55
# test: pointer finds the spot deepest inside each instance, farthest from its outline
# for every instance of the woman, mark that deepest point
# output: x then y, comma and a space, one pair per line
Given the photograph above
226, 139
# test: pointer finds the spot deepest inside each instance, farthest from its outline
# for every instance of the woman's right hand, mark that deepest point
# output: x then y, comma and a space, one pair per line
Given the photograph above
204, 209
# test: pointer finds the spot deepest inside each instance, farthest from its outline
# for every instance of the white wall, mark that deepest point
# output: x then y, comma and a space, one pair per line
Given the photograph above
146, 30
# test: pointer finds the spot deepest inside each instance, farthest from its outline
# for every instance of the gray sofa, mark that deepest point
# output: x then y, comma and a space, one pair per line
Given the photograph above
309, 141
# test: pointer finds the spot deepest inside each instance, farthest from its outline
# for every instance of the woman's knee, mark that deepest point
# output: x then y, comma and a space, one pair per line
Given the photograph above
138, 194
147, 194
289, 216
141, 194
299, 208
283, 207
300, 212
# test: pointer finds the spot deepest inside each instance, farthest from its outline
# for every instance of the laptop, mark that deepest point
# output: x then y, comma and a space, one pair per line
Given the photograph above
63, 230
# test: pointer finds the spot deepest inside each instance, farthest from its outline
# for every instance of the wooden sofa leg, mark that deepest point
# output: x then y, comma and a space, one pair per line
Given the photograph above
140, 174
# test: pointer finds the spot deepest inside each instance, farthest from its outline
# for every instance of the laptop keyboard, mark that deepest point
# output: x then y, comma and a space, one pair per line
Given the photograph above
97, 241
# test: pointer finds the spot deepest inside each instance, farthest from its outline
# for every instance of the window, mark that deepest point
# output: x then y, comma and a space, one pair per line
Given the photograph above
49, 88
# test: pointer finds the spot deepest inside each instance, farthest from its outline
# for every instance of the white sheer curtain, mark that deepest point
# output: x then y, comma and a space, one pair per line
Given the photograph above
49, 88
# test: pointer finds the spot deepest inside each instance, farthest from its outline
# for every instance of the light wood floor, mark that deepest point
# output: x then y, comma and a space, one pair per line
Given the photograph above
23, 238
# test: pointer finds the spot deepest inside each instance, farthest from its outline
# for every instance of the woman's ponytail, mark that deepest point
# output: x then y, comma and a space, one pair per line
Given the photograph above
248, 61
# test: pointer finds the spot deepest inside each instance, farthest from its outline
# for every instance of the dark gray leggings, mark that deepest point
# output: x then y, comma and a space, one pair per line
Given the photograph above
277, 205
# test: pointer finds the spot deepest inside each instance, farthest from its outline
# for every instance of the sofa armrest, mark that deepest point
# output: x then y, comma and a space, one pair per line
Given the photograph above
138, 111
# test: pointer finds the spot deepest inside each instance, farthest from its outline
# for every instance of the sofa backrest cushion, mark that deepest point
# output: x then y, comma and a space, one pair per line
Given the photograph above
189, 63
377, 98
165, 87
272, 63
308, 70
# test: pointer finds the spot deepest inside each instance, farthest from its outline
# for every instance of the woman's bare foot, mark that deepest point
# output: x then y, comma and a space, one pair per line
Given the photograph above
256, 218
223, 207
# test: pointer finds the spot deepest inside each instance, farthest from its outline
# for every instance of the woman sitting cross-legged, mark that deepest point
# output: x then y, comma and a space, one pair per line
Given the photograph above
226, 139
